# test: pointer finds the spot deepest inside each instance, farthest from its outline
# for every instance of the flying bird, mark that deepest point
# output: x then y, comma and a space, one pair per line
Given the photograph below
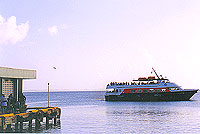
54, 67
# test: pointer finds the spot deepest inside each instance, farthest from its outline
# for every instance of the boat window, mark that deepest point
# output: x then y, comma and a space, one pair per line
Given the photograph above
133, 91
145, 91
139, 91
163, 90
151, 83
110, 90
119, 90
172, 88
157, 90
116, 90
151, 90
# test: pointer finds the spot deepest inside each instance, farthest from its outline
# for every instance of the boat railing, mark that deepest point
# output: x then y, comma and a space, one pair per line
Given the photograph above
132, 83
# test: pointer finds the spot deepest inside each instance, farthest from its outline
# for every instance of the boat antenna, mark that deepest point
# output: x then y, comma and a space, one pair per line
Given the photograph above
155, 73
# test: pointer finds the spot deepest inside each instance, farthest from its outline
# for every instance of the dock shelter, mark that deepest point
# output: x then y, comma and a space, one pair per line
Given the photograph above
11, 80
15, 116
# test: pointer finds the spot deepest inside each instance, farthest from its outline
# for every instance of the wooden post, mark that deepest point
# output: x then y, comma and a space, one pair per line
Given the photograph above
8, 129
21, 124
30, 126
16, 126
48, 94
37, 124
58, 124
47, 121
54, 121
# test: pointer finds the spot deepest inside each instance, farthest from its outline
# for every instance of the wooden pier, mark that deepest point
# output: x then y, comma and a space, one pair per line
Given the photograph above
33, 119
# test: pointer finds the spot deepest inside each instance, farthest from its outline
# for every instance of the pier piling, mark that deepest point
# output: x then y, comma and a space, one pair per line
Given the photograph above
37, 125
54, 121
21, 125
20, 119
16, 126
8, 129
30, 125
47, 122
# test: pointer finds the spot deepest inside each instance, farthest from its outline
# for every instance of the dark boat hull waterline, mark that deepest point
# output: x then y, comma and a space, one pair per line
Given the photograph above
161, 96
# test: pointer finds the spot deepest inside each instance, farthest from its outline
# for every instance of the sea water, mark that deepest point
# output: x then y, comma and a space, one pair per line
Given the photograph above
88, 112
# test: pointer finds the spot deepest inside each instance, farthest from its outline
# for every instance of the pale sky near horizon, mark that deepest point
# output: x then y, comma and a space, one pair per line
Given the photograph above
94, 42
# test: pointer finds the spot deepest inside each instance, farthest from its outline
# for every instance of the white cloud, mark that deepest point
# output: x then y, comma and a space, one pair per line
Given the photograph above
53, 30
10, 32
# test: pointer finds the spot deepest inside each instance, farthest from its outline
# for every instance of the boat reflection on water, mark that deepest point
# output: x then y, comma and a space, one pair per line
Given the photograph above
142, 113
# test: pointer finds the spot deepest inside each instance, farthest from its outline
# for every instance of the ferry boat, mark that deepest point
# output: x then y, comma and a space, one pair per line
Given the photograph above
148, 89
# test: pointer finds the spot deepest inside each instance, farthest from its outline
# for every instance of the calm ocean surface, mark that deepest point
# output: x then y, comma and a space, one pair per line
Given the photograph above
87, 112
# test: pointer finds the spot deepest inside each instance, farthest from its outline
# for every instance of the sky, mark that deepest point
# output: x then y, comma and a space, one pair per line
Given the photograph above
94, 42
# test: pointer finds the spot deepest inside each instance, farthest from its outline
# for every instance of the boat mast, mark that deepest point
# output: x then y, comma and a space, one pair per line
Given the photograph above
155, 73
